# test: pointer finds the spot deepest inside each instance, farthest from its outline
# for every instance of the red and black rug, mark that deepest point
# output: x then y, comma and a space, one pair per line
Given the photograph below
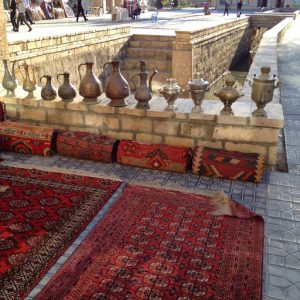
159, 244
41, 213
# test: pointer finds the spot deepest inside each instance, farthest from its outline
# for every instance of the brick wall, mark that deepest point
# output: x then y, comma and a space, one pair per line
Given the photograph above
210, 51
56, 54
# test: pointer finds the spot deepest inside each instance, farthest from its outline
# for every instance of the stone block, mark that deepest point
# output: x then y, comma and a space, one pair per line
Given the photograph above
131, 111
176, 141
197, 116
32, 114
136, 124
80, 106
246, 148
9, 100
85, 129
93, 120
120, 135
29, 102
65, 117
148, 138
195, 130
56, 104
241, 134
11, 111
265, 122
166, 127
104, 109
272, 155
231, 120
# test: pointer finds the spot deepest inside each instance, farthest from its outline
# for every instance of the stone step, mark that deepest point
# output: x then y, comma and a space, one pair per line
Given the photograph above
159, 65
157, 82
162, 38
150, 44
142, 53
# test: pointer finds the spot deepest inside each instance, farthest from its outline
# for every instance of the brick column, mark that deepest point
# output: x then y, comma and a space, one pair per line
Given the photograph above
3, 38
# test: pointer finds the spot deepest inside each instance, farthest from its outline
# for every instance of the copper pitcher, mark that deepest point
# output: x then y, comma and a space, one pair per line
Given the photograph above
143, 93
28, 84
66, 90
9, 79
90, 86
117, 88
48, 92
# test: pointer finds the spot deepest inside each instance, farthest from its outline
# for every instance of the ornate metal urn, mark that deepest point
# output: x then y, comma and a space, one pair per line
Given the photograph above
170, 91
198, 87
263, 87
228, 95
143, 93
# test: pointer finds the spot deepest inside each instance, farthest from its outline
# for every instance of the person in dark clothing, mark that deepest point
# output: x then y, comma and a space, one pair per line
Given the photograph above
80, 10
227, 5
239, 8
21, 14
13, 12
136, 9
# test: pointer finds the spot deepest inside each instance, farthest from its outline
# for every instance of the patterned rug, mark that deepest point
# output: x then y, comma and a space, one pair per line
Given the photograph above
41, 213
160, 244
234, 165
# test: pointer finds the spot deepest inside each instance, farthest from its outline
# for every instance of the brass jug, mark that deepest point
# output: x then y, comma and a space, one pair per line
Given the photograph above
48, 92
66, 91
143, 92
228, 95
28, 84
170, 91
263, 87
117, 88
9, 80
90, 86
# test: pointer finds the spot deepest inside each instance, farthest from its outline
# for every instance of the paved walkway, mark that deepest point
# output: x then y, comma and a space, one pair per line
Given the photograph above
168, 21
277, 199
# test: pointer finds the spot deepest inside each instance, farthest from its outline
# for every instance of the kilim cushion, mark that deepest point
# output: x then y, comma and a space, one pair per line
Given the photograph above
152, 156
28, 139
2, 113
86, 145
228, 164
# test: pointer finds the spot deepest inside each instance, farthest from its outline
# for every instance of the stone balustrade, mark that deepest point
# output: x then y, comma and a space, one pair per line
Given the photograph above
241, 132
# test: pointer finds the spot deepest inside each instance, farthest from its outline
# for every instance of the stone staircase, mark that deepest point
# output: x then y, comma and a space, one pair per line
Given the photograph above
156, 51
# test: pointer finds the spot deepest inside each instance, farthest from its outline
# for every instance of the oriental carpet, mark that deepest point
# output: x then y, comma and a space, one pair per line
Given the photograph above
162, 244
41, 213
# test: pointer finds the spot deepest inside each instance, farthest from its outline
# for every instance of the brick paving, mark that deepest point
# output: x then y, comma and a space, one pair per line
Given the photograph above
277, 198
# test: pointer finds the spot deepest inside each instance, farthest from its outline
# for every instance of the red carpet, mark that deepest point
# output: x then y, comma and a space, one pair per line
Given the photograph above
158, 244
226, 164
41, 213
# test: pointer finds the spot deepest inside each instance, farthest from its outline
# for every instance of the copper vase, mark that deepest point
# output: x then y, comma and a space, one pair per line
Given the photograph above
66, 90
48, 92
117, 88
90, 86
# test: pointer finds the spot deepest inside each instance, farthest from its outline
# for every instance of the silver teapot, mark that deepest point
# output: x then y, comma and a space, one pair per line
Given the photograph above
198, 87
170, 91
263, 87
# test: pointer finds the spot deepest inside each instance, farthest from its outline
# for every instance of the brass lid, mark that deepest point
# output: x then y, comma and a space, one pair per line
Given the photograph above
171, 86
198, 83
264, 76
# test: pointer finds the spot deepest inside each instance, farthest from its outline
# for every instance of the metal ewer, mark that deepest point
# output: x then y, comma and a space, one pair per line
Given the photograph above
170, 91
198, 87
228, 95
263, 87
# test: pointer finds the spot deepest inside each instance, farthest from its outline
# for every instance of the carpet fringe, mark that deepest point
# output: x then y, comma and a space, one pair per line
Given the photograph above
59, 170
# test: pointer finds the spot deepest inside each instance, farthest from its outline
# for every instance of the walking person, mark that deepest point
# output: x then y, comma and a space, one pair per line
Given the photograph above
239, 8
27, 12
13, 13
80, 10
227, 5
21, 15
